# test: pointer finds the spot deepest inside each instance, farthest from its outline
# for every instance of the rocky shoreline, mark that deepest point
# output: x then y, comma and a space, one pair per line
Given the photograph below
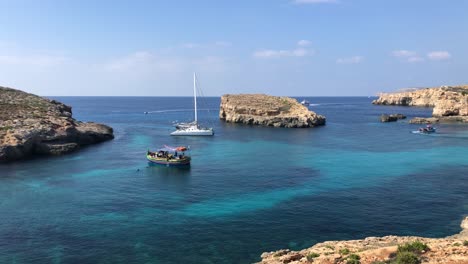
377, 250
450, 103
31, 125
265, 110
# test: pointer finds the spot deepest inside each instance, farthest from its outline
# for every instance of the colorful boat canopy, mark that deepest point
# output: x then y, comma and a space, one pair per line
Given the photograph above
169, 148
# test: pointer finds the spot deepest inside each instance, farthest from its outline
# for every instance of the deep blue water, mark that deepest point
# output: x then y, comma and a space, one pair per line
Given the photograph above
249, 189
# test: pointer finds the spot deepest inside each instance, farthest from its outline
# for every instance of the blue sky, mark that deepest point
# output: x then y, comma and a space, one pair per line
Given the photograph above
279, 47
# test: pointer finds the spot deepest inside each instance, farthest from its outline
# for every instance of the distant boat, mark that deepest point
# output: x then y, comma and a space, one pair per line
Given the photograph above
425, 130
192, 128
305, 102
169, 156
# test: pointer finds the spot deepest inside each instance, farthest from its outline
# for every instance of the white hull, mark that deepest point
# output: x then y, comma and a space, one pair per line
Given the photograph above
193, 132
192, 128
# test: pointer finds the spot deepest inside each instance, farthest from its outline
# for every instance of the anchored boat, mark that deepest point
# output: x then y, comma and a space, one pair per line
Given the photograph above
169, 156
192, 128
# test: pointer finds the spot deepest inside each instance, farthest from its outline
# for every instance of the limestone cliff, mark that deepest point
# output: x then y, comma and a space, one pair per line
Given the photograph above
265, 110
32, 125
448, 250
446, 100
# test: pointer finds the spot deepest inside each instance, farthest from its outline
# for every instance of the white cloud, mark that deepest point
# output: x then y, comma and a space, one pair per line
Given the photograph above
299, 52
303, 43
439, 55
190, 45
403, 53
32, 60
350, 60
144, 62
415, 59
130, 61
315, 1
223, 43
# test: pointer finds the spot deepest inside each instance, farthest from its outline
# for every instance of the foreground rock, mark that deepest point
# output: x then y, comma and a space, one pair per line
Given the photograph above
265, 110
31, 125
450, 250
391, 118
448, 101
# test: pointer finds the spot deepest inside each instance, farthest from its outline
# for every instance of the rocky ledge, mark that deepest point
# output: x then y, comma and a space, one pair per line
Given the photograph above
31, 125
448, 102
449, 250
265, 110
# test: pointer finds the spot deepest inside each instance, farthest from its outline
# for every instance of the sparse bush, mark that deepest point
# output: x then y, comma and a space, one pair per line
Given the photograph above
415, 247
465, 243
330, 247
456, 244
312, 255
406, 257
353, 259
344, 251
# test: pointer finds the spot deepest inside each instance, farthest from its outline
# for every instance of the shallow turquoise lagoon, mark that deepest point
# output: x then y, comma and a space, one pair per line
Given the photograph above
249, 189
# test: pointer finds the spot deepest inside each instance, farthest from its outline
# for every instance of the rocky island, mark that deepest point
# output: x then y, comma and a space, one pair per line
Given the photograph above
31, 125
265, 110
380, 250
450, 103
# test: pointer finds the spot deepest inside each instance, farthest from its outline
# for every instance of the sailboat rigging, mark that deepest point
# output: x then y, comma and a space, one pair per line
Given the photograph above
193, 128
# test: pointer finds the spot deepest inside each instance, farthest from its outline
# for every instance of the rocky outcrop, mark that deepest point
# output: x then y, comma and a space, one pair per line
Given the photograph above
452, 249
31, 125
265, 110
391, 118
446, 100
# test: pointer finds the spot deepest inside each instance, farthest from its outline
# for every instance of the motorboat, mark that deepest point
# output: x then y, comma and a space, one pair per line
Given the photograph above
425, 130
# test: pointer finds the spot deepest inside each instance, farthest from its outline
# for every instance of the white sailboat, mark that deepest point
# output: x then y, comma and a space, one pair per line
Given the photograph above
192, 128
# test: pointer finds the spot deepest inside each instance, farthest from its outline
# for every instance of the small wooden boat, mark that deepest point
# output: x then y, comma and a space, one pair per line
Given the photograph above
169, 156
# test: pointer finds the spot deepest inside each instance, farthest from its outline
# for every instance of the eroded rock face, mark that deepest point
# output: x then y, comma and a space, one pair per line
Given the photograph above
449, 250
446, 100
391, 118
265, 110
32, 125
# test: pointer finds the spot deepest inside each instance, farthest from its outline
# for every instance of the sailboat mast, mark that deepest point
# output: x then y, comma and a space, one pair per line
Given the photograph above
195, 95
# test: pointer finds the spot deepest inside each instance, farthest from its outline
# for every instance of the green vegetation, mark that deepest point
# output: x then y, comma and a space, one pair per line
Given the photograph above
344, 251
330, 247
406, 258
5, 128
407, 253
415, 247
353, 259
465, 243
312, 255
456, 244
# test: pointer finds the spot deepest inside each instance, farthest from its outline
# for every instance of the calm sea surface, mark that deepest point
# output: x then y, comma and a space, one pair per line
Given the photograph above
249, 189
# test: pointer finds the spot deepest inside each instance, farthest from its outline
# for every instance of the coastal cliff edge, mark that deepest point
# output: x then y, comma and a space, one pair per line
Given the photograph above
31, 125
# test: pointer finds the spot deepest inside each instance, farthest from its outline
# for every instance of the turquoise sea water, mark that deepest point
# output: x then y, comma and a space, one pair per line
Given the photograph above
249, 189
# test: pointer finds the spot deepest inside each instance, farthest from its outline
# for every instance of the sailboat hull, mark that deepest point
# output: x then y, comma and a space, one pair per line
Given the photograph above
192, 129
193, 132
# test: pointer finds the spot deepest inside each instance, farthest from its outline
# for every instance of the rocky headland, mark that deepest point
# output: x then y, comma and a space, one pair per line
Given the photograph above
380, 250
31, 125
266, 110
450, 103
